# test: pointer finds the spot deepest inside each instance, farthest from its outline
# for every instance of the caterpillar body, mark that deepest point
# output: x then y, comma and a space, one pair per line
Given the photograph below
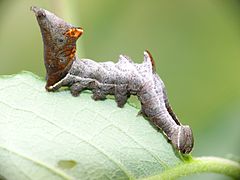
121, 79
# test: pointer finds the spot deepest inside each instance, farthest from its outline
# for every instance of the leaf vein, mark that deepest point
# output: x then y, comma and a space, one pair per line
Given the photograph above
75, 135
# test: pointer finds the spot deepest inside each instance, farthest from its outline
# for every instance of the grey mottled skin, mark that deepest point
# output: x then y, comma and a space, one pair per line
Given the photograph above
123, 79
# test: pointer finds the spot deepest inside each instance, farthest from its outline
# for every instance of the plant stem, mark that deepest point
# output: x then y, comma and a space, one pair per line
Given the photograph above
202, 164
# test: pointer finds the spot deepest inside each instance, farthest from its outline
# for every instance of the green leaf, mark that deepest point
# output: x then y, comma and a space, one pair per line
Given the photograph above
56, 136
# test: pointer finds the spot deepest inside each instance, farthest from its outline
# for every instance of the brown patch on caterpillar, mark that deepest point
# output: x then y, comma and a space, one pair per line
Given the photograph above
152, 60
57, 67
59, 39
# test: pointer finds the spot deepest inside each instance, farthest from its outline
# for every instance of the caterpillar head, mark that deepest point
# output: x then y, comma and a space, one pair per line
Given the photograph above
182, 139
59, 38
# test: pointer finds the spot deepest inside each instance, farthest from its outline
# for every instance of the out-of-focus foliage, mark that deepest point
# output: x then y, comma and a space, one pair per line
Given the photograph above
196, 46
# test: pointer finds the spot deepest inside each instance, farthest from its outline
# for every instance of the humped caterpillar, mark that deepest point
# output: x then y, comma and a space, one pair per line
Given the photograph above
122, 79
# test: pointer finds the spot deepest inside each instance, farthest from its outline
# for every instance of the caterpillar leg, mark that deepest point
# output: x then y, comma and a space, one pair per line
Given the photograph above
102, 90
121, 95
182, 138
77, 84
121, 100
98, 94
76, 89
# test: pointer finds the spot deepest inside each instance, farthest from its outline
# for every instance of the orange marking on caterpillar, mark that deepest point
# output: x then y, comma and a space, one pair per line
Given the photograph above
74, 32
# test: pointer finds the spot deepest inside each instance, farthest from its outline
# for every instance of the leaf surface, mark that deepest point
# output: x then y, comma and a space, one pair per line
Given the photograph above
56, 136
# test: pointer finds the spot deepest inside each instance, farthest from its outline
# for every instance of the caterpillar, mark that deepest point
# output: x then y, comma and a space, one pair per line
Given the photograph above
121, 79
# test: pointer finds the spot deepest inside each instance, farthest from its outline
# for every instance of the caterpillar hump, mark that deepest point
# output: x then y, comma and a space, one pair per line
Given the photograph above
59, 38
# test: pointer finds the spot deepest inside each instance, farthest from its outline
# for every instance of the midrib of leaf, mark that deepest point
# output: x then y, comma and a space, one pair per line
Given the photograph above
40, 164
200, 165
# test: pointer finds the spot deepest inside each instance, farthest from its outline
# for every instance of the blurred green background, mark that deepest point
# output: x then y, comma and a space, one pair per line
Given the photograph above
196, 46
